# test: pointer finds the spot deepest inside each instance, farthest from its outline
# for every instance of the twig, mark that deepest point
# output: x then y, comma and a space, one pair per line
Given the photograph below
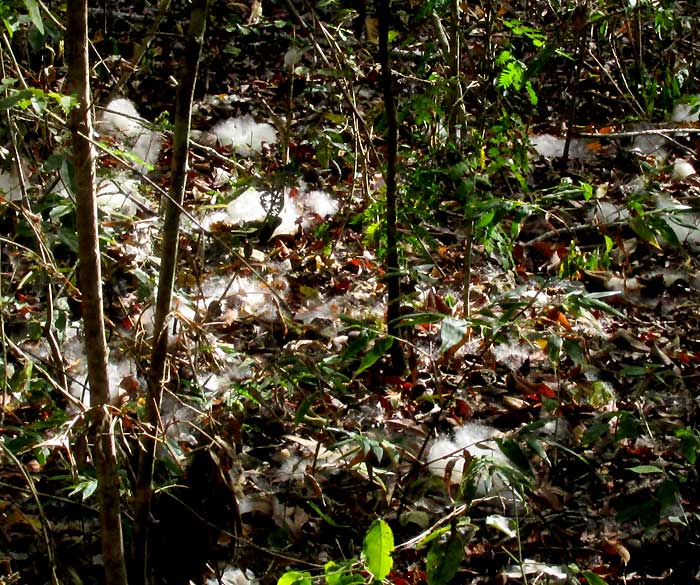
665, 132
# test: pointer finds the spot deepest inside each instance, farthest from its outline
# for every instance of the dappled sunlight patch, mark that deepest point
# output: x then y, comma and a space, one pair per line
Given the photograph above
123, 374
10, 186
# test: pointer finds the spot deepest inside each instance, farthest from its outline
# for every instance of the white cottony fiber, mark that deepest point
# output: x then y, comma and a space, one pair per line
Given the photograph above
685, 113
492, 473
244, 134
477, 440
122, 121
684, 223
301, 208
119, 194
246, 208
320, 204
147, 148
651, 145
682, 169
121, 116
550, 146
234, 576
605, 213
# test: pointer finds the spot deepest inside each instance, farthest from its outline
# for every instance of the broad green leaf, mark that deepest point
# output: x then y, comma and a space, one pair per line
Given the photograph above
628, 426
554, 344
642, 469
594, 579
643, 230
295, 578
667, 493
377, 352
437, 533
573, 349
452, 332
485, 218
512, 450
85, 488
67, 103
35, 14
444, 559
377, 548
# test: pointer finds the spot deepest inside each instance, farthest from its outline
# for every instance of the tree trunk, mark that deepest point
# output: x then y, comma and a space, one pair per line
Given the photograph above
393, 276
166, 282
91, 289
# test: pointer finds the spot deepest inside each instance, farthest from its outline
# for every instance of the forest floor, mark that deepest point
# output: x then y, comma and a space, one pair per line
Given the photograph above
569, 356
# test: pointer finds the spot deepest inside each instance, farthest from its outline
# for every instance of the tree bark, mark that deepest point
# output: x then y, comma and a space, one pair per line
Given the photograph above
166, 282
392, 276
91, 289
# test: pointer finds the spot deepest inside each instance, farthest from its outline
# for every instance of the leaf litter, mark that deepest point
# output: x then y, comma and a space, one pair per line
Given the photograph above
561, 366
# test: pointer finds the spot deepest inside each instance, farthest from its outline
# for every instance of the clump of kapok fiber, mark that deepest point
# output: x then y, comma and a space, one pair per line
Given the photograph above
446, 459
121, 120
244, 135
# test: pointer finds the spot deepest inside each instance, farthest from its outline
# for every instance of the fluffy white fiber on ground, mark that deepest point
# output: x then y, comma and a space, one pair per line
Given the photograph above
684, 223
118, 194
685, 113
246, 208
301, 208
121, 117
550, 146
234, 576
479, 441
244, 134
122, 121
682, 169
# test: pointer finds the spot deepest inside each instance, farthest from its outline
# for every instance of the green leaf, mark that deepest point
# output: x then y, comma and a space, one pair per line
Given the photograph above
35, 14
485, 218
573, 349
67, 103
85, 488
452, 332
444, 559
690, 444
667, 493
628, 426
295, 578
594, 579
15, 98
341, 574
377, 548
437, 533
377, 352
643, 230
554, 344
325, 516
512, 450
642, 469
